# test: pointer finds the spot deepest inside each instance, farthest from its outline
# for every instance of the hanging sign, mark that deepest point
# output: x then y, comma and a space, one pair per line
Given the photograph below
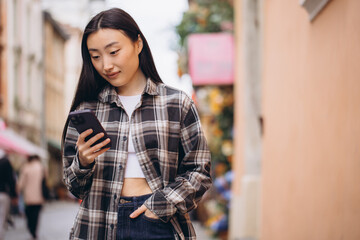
211, 58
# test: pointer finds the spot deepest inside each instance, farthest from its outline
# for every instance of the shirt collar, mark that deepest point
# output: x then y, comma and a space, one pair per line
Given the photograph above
109, 94
151, 88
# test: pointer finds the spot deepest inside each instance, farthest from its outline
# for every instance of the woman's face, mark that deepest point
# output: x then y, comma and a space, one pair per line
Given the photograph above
115, 57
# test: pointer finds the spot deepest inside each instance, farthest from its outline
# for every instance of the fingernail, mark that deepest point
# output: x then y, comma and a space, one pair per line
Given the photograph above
132, 215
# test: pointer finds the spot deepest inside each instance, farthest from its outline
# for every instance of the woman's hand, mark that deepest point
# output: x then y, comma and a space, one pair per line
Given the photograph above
87, 154
142, 209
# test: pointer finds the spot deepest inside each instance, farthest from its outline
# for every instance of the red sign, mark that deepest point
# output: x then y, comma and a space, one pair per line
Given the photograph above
211, 58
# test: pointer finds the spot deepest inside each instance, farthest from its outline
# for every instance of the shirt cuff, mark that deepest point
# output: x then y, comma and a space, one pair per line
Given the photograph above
79, 171
159, 205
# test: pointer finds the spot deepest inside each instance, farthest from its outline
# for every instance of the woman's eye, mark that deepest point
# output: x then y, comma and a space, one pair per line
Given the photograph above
94, 57
114, 52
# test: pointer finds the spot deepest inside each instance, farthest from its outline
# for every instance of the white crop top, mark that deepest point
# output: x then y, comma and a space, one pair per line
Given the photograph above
133, 169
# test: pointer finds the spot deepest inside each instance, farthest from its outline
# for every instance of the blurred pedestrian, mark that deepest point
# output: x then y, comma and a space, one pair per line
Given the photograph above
7, 190
30, 185
158, 166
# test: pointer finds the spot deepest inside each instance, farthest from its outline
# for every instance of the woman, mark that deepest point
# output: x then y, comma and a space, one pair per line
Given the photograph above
30, 185
158, 165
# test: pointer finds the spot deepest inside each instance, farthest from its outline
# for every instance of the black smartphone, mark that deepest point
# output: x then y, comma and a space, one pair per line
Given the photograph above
86, 119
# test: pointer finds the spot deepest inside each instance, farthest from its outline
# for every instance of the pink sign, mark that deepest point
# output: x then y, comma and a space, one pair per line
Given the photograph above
211, 58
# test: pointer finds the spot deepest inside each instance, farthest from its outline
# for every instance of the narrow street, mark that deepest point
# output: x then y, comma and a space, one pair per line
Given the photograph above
55, 223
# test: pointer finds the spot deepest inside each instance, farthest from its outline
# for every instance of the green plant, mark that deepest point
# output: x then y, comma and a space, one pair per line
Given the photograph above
204, 16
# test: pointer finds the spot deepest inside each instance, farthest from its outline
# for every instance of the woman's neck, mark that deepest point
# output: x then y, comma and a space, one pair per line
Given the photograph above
135, 86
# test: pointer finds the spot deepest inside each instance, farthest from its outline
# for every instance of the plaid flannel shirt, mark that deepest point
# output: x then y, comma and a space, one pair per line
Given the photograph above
171, 150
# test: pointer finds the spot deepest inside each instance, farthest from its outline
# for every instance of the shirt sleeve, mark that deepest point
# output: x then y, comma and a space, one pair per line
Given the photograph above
78, 180
193, 177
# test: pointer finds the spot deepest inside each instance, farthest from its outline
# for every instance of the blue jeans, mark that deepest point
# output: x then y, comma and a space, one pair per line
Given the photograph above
141, 227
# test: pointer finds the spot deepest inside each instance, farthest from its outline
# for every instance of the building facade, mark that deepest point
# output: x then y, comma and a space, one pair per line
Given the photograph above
55, 40
3, 62
22, 68
296, 115
63, 23
55, 115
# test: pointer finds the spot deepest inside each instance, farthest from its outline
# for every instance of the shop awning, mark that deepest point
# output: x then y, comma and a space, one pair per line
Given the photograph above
12, 142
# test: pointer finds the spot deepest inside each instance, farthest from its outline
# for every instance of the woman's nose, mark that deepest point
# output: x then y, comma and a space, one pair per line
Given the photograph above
108, 66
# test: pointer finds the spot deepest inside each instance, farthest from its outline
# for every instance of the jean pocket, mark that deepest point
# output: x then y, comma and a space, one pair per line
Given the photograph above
155, 228
153, 220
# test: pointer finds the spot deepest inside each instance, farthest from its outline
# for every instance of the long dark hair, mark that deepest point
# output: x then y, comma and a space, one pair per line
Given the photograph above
90, 82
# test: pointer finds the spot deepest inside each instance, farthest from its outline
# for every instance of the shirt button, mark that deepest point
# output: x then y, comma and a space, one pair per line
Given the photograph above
121, 167
124, 138
115, 196
112, 226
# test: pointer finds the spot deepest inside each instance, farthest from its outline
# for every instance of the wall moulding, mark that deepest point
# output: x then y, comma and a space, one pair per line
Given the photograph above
313, 7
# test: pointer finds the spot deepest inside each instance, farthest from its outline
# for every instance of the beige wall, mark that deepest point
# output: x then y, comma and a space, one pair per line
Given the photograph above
55, 41
238, 165
73, 64
54, 83
311, 104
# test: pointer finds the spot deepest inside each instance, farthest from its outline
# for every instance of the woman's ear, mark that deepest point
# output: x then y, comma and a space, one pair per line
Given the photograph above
139, 44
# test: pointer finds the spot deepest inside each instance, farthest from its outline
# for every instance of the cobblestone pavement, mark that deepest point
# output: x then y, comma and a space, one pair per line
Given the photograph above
56, 220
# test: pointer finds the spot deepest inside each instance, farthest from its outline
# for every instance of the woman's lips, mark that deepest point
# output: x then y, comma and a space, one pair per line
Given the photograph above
112, 75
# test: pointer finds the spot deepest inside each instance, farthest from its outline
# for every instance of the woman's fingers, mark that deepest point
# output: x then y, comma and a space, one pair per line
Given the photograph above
91, 158
145, 210
98, 153
93, 140
88, 153
83, 135
92, 152
138, 211
100, 145
84, 145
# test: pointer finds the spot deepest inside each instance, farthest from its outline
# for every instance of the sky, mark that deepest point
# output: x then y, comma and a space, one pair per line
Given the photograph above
157, 20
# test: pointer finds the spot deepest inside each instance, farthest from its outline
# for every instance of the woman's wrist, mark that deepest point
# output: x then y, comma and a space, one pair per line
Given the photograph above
84, 165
